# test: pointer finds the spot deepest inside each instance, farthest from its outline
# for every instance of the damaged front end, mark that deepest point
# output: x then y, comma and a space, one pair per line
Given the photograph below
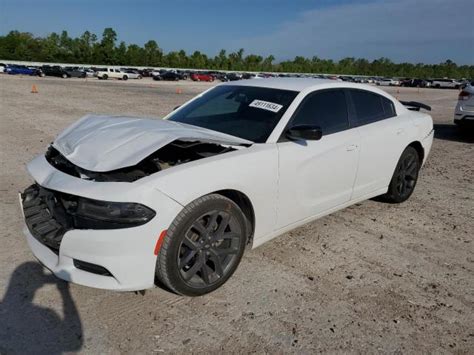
172, 154
50, 214
126, 149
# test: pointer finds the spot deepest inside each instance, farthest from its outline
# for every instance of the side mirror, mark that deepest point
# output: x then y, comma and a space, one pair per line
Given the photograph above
305, 132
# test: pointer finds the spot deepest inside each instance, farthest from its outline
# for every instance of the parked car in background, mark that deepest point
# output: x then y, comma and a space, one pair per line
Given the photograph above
222, 77
2, 68
22, 70
156, 72
387, 82
361, 80
202, 77
145, 73
75, 72
106, 73
464, 112
413, 83
121, 202
233, 76
132, 73
55, 70
445, 84
183, 74
89, 72
347, 78
168, 76
253, 76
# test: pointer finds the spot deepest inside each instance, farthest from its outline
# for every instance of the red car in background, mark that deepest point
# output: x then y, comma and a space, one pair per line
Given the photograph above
202, 77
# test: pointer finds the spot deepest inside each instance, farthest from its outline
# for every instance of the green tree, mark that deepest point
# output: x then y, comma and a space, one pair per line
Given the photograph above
88, 50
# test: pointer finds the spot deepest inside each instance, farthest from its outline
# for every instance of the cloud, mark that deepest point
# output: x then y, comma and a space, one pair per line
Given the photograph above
427, 31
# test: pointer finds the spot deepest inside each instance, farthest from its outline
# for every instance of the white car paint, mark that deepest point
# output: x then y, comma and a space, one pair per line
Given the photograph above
464, 111
112, 73
132, 74
387, 82
287, 183
445, 84
125, 141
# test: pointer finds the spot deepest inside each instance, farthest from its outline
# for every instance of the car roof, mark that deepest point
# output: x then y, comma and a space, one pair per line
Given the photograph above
310, 84
294, 84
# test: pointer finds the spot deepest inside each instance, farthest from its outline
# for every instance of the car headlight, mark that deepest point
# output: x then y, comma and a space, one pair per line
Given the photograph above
94, 214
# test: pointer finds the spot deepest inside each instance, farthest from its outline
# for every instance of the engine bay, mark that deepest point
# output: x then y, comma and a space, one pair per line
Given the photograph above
173, 154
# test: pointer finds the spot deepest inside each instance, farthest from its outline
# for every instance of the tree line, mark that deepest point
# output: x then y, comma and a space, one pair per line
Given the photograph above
88, 48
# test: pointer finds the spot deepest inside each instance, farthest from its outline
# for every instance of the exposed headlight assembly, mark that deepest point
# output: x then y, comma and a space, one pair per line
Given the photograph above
94, 214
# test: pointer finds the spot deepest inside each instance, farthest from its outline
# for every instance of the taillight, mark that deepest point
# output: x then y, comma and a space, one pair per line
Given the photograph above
463, 95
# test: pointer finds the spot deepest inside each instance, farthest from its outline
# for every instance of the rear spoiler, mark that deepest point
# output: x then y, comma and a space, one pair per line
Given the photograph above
415, 106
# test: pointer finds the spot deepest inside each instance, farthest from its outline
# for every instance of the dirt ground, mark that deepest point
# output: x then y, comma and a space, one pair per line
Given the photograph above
371, 278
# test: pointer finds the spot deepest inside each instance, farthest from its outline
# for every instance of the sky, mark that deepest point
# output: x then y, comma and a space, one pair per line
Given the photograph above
428, 31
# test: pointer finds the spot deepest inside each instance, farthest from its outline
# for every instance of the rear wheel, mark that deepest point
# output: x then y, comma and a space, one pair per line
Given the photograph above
64, 76
105, 76
404, 178
202, 247
125, 77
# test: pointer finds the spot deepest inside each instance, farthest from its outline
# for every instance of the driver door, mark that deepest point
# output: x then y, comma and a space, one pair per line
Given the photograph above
316, 176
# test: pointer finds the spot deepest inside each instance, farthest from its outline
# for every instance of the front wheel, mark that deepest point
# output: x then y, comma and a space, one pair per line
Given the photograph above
404, 178
203, 246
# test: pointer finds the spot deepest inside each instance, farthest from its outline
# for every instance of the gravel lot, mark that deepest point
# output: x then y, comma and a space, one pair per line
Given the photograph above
371, 278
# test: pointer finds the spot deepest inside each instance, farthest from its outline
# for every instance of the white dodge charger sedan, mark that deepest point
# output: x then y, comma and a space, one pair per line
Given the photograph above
123, 203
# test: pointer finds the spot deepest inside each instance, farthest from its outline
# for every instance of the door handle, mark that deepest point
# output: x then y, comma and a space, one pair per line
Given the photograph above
351, 147
400, 131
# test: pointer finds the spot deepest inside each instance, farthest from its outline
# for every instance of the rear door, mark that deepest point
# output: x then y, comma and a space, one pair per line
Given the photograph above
383, 137
315, 176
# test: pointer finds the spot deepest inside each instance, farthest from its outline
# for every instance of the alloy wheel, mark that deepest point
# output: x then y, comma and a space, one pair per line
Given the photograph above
407, 175
209, 248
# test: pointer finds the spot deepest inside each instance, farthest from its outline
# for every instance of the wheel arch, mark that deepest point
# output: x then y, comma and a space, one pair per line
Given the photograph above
419, 149
244, 203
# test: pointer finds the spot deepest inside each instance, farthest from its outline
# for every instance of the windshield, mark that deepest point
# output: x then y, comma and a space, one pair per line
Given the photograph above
242, 111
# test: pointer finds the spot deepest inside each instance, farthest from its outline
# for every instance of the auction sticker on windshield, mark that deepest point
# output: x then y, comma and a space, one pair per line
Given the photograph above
265, 105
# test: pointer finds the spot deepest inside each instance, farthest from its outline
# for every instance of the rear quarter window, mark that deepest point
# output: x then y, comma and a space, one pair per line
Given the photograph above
370, 107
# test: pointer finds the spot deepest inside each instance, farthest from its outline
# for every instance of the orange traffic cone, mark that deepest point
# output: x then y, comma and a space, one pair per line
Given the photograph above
34, 90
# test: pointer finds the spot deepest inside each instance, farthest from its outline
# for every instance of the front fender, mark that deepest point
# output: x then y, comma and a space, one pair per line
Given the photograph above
252, 171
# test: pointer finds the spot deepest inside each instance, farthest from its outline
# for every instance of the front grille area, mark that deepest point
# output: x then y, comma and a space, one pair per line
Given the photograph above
45, 216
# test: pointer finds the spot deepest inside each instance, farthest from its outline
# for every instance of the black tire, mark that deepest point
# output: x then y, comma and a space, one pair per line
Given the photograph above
404, 178
208, 239
105, 76
125, 77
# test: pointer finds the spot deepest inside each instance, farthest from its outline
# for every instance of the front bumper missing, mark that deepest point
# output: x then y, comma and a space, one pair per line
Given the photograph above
126, 254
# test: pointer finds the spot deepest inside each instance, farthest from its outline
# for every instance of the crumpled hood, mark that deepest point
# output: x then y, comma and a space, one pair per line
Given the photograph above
105, 143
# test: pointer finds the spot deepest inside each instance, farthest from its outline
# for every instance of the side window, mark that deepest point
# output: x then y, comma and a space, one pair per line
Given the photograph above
388, 107
370, 107
326, 109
